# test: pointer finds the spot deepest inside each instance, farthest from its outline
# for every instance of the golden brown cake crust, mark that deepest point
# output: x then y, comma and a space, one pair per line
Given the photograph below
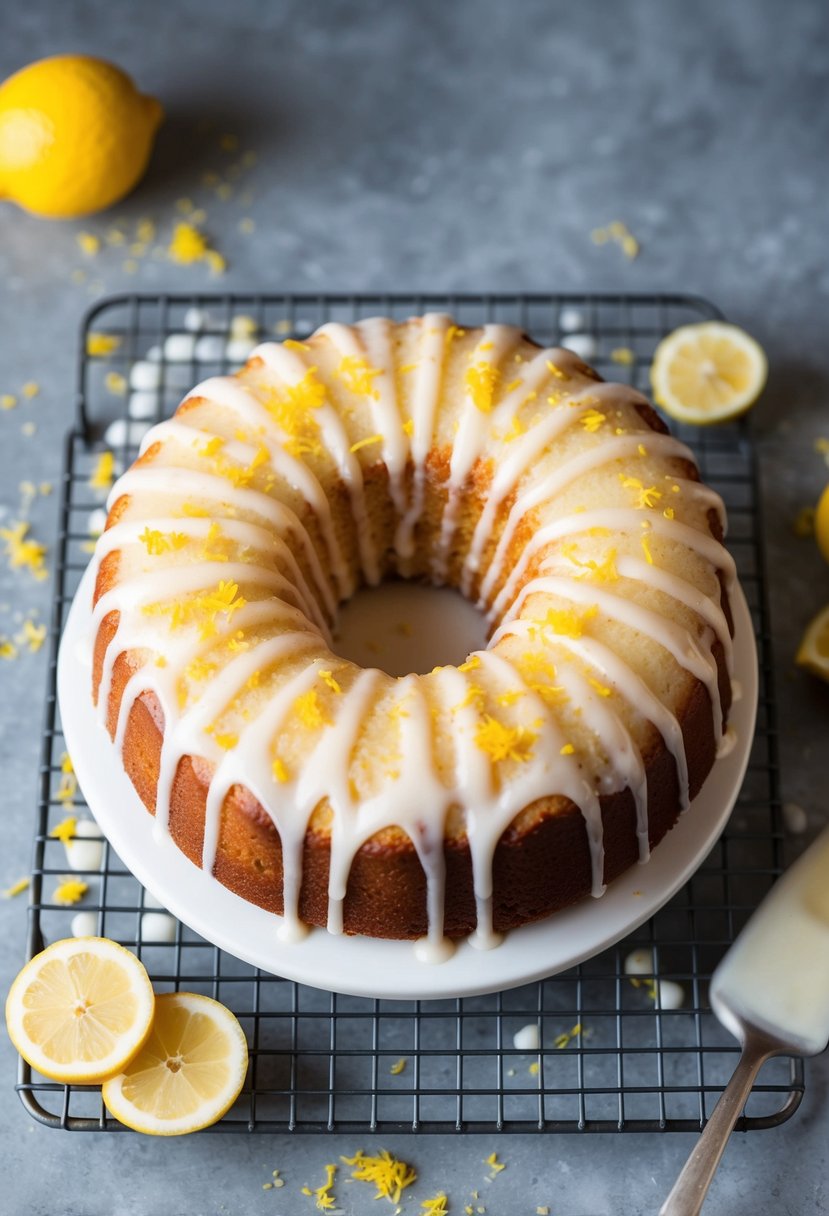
542, 862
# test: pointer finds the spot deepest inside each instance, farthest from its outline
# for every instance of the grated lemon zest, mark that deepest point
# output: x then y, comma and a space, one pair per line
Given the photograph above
279, 770
566, 622
398, 1067
17, 888
309, 711
358, 375
435, 1206
32, 635
98, 345
328, 679
567, 750
501, 742
388, 1174
70, 891
471, 664
156, 542
65, 830
481, 380
22, 552
623, 355
102, 475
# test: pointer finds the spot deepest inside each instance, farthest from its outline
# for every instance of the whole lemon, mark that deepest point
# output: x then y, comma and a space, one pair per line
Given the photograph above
75, 136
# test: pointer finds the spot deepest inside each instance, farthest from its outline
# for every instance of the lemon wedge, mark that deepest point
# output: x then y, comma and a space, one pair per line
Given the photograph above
813, 652
80, 1010
189, 1072
707, 373
822, 523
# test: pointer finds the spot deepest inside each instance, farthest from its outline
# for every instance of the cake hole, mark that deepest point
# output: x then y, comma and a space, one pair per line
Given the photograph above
407, 628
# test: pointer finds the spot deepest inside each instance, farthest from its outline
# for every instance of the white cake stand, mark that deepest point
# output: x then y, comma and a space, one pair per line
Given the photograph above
369, 967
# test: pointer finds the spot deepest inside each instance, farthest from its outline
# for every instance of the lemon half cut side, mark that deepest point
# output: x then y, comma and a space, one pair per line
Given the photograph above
189, 1072
79, 1011
708, 373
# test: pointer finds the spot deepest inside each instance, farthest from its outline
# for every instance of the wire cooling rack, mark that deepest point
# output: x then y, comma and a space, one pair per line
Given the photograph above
610, 1057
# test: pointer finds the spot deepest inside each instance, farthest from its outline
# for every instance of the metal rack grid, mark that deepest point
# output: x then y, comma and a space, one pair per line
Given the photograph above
322, 1062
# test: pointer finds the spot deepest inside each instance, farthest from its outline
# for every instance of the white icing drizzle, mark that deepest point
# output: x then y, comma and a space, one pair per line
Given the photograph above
291, 569
425, 396
495, 343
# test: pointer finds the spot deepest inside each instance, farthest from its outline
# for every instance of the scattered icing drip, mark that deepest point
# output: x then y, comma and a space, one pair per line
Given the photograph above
232, 583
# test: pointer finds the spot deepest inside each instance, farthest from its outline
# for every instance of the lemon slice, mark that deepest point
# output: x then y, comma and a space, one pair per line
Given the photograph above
813, 653
80, 1010
189, 1072
706, 373
822, 523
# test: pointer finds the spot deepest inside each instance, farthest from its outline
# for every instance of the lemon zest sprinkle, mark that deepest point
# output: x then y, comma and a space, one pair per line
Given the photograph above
408, 427
17, 888
601, 689
30, 389
474, 695
65, 830
435, 1206
501, 742
567, 750
646, 550
358, 375
388, 1174
563, 1040
8, 650
567, 622
70, 891
481, 380
623, 355
156, 542
556, 371
24, 553
32, 635
534, 1069
309, 711
328, 679
471, 664
115, 383
398, 1067
98, 345
8, 401
102, 475
279, 770
592, 420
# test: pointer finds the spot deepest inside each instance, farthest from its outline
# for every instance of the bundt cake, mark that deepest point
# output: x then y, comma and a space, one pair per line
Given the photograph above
467, 800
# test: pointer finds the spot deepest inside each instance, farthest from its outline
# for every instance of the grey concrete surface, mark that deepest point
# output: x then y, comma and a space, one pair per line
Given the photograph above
450, 146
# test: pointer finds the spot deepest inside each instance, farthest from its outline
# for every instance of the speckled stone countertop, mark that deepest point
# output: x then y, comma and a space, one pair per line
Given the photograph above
449, 146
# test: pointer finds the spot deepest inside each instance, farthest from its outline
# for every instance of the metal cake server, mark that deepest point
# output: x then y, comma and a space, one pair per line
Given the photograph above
772, 992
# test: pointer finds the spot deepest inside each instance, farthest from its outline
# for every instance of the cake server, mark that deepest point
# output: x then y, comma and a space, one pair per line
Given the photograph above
772, 992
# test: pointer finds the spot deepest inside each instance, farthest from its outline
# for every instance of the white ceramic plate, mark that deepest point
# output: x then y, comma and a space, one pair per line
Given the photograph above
362, 966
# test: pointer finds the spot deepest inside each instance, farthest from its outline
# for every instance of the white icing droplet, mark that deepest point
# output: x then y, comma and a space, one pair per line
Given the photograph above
87, 852
671, 994
158, 927
142, 405
210, 348
145, 374
583, 345
795, 818
150, 900
96, 521
570, 319
639, 962
433, 951
179, 348
154, 354
195, 319
292, 931
85, 924
122, 432
528, 1038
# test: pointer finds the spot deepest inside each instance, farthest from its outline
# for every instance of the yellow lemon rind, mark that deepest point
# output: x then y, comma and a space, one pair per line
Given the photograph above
126, 1113
76, 1074
681, 411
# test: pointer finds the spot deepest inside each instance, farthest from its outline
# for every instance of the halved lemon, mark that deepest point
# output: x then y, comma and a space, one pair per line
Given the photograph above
822, 523
80, 1010
190, 1071
709, 372
813, 653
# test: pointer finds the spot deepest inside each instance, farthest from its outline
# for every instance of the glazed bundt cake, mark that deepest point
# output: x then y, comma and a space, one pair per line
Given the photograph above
471, 799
